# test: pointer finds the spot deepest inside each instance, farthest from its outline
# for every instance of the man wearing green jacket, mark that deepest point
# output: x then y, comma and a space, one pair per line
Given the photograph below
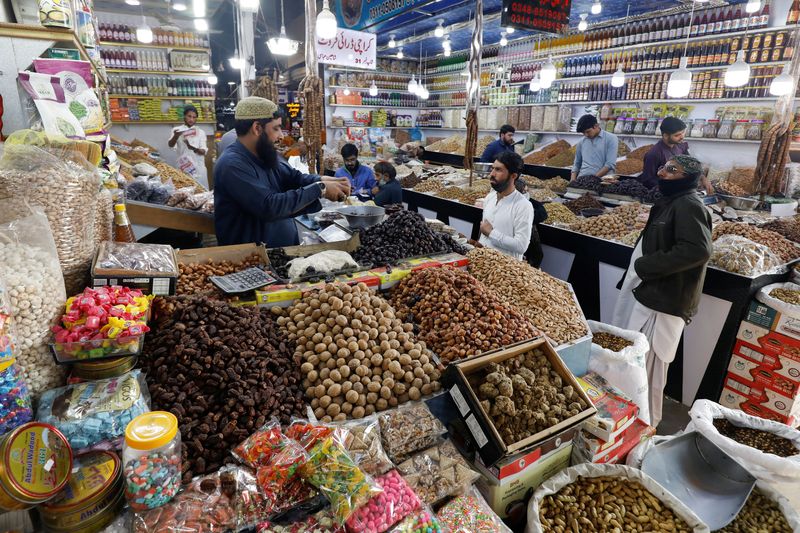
662, 287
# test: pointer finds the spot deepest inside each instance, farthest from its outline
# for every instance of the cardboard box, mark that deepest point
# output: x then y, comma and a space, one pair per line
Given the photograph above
614, 409
218, 254
734, 399
510, 495
576, 353
489, 443
452, 259
767, 341
514, 464
157, 283
284, 295
768, 375
767, 396
767, 317
613, 452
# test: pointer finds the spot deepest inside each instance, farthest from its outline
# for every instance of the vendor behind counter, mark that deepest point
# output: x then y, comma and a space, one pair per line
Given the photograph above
673, 131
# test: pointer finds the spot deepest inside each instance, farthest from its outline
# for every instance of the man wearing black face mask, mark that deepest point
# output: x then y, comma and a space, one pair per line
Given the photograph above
256, 195
507, 214
661, 290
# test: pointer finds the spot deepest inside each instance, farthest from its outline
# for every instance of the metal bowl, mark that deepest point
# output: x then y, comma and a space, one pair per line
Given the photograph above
737, 202
363, 216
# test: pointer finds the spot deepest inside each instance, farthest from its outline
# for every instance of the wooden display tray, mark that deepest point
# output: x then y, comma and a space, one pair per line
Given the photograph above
217, 254
161, 216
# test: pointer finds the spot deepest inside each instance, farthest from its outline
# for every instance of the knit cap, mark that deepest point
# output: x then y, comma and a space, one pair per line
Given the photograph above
255, 108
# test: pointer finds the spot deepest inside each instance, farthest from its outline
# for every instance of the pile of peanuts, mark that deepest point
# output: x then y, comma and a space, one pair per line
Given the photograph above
759, 515
607, 504
543, 299
789, 296
610, 342
610, 226
457, 315
430, 185
783, 247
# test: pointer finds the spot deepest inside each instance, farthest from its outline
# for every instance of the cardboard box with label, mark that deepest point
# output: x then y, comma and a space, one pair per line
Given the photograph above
733, 399
615, 410
767, 341
602, 452
161, 282
765, 316
766, 396
749, 370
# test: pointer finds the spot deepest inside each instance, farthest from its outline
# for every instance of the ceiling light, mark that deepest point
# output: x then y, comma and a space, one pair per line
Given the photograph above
392, 42
783, 84
597, 7
548, 73
509, 30
346, 90
680, 81
423, 92
179, 6
412, 85
236, 62
373, 89
447, 52
536, 83
753, 6
282, 45
212, 80
439, 31
400, 54
582, 25
738, 73
199, 8
132, 2
503, 40
251, 6
446, 43
499, 68
144, 35
201, 24
326, 23
618, 79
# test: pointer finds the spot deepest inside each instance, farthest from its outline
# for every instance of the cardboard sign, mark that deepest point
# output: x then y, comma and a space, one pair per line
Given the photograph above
349, 49
550, 16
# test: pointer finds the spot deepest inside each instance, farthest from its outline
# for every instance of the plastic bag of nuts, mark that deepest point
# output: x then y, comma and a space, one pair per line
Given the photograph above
438, 472
771, 450
565, 502
409, 429
783, 297
362, 440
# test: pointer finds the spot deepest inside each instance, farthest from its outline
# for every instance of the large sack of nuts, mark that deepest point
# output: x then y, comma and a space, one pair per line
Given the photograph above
619, 356
783, 297
770, 450
569, 497
768, 510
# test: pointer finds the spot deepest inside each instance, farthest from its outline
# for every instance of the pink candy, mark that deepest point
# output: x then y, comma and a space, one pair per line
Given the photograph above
396, 502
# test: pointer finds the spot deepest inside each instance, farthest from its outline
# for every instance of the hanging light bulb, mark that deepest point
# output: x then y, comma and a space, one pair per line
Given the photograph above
582, 25
782, 84
201, 24
412, 85
132, 2
282, 45
326, 23
199, 8
536, 83
392, 42
423, 93
144, 34
503, 40
509, 30
618, 79
236, 62
212, 80
548, 73
447, 52
373, 89
251, 6
439, 31
738, 73
179, 6
400, 54
680, 81
346, 90
597, 7
753, 6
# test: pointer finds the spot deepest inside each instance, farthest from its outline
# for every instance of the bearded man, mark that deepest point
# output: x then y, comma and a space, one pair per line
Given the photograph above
256, 193
507, 213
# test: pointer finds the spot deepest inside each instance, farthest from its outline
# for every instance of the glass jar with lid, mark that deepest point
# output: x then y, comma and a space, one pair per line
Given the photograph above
638, 128
619, 126
725, 129
652, 125
151, 460
698, 126
710, 129
627, 129
611, 124
754, 130
740, 130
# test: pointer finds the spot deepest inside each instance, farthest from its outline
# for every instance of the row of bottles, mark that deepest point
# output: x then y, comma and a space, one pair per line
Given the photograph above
136, 60
389, 82
394, 99
160, 87
430, 119
123, 33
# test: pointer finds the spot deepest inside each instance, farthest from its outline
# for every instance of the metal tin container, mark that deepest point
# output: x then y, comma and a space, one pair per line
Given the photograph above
110, 368
92, 497
35, 464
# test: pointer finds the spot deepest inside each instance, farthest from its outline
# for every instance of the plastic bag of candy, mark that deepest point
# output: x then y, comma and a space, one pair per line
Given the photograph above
362, 440
423, 520
396, 502
470, 514
438, 472
308, 434
15, 402
281, 469
409, 429
322, 522
331, 470
259, 448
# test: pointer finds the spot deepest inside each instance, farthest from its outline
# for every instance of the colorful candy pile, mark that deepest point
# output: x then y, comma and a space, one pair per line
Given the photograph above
422, 521
387, 508
15, 403
470, 514
152, 480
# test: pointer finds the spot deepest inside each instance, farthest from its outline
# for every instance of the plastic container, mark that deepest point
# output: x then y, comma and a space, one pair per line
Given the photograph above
725, 130
627, 129
151, 458
710, 129
698, 126
25, 483
106, 369
651, 127
740, 130
611, 124
619, 126
754, 130
639, 126
70, 352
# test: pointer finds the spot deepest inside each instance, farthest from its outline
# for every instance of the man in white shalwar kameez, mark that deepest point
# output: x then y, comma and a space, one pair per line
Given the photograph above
664, 281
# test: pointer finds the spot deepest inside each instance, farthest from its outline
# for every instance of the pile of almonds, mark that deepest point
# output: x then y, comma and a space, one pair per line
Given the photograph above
787, 227
457, 315
784, 248
614, 225
357, 356
545, 300
557, 212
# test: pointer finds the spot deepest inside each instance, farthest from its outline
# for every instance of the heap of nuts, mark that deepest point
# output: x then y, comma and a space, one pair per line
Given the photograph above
554, 184
429, 185
410, 181
466, 195
524, 395
591, 183
543, 299
790, 296
610, 342
557, 213
357, 356
760, 514
607, 504
614, 225
193, 278
760, 440
587, 201
457, 315
784, 248
222, 370
543, 195
788, 227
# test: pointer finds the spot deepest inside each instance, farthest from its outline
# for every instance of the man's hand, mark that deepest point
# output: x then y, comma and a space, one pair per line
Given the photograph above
177, 134
486, 227
336, 189
572, 176
375, 191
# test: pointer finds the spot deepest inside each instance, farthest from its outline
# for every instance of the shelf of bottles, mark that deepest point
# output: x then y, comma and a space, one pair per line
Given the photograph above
114, 34
359, 81
382, 99
129, 87
153, 111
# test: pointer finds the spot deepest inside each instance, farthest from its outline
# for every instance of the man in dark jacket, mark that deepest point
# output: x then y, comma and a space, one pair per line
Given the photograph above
662, 288
388, 191
504, 144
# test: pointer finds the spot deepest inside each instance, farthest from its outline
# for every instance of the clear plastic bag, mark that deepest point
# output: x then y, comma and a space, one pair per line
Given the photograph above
138, 189
180, 196
15, 402
95, 412
740, 255
7, 342
389, 507
160, 192
470, 514
137, 257
197, 201
362, 441
309, 434
409, 429
423, 520
438, 472
322, 522
331, 470
259, 448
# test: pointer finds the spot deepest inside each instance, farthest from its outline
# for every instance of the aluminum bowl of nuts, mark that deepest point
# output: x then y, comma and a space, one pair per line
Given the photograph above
363, 216
737, 202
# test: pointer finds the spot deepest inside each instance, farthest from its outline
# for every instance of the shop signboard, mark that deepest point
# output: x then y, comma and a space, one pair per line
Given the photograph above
349, 48
360, 14
549, 16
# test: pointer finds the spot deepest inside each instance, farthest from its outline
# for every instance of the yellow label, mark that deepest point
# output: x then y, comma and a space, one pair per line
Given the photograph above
91, 474
397, 275
282, 296
39, 461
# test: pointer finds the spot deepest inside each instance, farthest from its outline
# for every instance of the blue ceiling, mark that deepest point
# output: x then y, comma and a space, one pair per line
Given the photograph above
424, 19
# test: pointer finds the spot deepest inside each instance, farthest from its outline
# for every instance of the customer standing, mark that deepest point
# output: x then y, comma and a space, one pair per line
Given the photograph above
507, 213
190, 143
596, 153
504, 144
361, 177
661, 289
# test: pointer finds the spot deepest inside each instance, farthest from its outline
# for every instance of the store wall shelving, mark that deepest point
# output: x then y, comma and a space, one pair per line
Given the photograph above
154, 46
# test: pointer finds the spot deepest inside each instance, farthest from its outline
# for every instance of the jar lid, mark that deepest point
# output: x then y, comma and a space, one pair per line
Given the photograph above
151, 430
713, 120
743, 120
29, 479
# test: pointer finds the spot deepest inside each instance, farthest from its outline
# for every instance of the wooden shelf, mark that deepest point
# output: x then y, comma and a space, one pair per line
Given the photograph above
623, 102
156, 46
146, 97
159, 122
158, 72
375, 106
161, 216
374, 127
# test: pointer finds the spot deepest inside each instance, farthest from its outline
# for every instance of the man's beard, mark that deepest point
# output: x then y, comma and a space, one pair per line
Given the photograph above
500, 186
266, 151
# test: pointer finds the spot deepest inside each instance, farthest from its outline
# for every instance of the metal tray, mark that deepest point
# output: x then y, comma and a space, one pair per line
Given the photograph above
702, 476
